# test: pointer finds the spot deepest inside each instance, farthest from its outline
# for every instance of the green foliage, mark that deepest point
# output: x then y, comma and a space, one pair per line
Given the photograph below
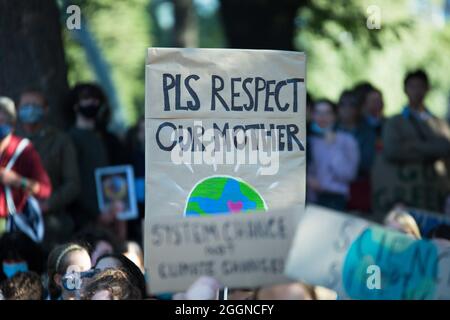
340, 55
341, 50
211, 33
122, 30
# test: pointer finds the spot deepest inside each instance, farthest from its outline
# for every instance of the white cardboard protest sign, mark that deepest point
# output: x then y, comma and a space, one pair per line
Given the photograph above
225, 131
244, 250
360, 260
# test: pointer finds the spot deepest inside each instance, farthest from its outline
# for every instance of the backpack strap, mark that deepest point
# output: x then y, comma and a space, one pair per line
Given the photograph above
9, 198
19, 149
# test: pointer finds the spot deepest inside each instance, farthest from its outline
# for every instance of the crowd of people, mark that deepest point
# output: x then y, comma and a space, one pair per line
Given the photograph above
351, 147
56, 170
361, 161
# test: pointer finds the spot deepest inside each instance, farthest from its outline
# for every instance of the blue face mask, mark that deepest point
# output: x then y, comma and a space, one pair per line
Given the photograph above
11, 268
316, 129
5, 129
31, 113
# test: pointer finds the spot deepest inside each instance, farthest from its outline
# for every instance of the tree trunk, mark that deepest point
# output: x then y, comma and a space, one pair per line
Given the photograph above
186, 28
31, 52
260, 24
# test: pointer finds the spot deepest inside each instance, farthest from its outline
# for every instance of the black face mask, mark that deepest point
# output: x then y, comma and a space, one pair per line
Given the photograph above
90, 111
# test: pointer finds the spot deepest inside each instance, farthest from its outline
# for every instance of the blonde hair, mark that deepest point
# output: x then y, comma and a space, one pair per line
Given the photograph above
406, 222
7, 106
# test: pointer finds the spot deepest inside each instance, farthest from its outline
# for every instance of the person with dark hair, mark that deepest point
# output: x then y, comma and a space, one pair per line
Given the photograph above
63, 261
87, 101
441, 231
309, 108
417, 90
361, 90
334, 159
98, 241
18, 253
96, 148
371, 101
23, 286
115, 260
352, 122
416, 152
21, 171
309, 111
135, 142
111, 284
59, 159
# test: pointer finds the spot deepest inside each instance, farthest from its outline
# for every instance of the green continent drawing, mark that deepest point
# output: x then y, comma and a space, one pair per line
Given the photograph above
223, 194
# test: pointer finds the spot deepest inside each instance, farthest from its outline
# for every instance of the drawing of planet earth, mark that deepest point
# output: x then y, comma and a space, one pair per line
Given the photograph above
223, 194
115, 187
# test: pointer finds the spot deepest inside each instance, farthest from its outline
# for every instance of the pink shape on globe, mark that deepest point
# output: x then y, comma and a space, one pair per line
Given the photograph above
234, 206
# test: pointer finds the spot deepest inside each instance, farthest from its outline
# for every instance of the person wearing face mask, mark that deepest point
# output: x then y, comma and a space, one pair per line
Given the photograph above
351, 121
59, 158
66, 265
96, 148
27, 176
18, 253
334, 159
